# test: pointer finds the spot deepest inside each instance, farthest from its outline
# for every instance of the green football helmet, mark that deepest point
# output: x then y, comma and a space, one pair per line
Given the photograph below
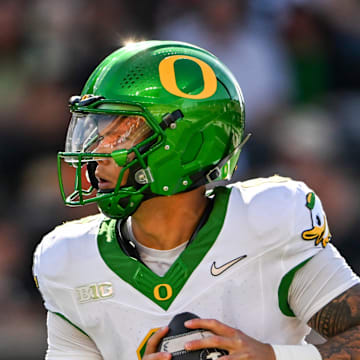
169, 114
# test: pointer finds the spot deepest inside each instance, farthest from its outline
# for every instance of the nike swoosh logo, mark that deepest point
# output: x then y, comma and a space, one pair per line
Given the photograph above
219, 270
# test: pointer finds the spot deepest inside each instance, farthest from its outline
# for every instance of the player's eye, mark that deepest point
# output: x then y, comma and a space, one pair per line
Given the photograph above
93, 144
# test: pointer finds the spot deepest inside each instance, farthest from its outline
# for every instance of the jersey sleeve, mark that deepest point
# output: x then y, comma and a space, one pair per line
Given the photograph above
318, 272
57, 268
67, 342
309, 230
304, 234
323, 278
43, 258
310, 218
57, 264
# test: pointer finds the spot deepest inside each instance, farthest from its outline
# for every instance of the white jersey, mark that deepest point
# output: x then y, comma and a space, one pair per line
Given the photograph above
238, 270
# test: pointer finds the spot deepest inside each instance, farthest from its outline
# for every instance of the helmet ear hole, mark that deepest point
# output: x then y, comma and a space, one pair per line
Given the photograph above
193, 148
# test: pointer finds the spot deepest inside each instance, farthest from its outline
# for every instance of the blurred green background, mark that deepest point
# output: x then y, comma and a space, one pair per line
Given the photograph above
296, 61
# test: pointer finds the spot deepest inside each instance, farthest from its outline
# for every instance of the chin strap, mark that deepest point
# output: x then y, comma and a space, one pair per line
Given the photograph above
206, 177
123, 238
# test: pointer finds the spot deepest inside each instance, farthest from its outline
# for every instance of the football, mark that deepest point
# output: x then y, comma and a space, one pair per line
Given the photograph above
178, 335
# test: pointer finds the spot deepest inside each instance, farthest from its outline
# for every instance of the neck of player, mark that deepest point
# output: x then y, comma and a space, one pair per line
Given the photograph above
165, 222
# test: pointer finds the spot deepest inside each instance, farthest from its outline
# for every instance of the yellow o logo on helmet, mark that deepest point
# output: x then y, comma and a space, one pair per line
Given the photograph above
168, 78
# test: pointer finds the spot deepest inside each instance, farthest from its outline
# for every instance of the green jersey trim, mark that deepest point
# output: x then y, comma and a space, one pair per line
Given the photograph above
163, 290
283, 292
71, 323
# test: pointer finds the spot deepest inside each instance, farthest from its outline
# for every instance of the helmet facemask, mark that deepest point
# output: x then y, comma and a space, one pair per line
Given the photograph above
107, 154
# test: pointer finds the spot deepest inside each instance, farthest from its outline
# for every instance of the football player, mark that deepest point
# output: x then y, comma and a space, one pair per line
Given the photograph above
156, 122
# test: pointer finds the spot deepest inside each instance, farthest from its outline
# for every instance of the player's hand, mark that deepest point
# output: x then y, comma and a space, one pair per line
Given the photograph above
238, 344
152, 344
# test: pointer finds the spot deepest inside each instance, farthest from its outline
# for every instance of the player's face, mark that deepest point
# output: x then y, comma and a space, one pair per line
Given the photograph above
107, 173
120, 134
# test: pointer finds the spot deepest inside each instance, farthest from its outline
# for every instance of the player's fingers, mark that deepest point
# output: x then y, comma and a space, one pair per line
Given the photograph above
157, 356
214, 326
154, 340
215, 341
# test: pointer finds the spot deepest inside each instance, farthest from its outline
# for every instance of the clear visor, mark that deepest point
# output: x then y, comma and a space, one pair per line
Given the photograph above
103, 133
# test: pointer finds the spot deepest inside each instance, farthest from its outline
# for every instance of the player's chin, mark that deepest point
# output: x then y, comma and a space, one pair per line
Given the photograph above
105, 185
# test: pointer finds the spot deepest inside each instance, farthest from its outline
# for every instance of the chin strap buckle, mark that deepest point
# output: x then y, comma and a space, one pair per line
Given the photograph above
144, 176
213, 174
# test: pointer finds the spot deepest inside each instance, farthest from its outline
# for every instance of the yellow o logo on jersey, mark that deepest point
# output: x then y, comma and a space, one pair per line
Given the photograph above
167, 289
168, 78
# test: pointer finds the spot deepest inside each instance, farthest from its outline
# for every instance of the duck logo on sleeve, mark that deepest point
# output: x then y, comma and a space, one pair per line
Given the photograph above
320, 231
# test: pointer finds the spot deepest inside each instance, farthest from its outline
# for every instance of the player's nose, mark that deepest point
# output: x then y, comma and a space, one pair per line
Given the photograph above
103, 162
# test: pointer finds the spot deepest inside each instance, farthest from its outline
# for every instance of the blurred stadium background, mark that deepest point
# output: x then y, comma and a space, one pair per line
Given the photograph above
298, 63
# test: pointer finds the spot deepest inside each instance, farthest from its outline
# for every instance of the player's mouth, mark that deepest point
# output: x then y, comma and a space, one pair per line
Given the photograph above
104, 184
